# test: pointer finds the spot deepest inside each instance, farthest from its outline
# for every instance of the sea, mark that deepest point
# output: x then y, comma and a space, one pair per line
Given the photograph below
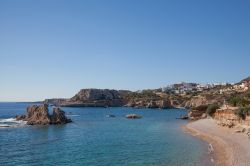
95, 139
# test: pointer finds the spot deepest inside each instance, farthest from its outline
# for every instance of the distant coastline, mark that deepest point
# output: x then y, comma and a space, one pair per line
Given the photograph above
180, 95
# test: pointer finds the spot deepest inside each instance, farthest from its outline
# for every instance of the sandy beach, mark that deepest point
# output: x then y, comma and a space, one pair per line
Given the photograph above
229, 148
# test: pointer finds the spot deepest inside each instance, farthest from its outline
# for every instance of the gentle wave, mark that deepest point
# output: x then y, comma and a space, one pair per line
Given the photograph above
11, 122
71, 115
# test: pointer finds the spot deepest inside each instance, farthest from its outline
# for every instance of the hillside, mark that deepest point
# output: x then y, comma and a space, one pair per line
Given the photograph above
183, 95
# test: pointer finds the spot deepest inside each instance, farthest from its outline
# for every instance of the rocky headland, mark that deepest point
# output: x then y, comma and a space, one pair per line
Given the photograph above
91, 98
140, 99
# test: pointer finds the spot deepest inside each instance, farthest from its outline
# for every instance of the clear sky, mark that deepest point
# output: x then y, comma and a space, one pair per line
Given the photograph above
53, 48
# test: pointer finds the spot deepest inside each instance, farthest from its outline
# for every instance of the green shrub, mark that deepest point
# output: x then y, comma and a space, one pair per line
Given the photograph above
202, 108
248, 95
211, 109
238, 101
145, 94
242, 112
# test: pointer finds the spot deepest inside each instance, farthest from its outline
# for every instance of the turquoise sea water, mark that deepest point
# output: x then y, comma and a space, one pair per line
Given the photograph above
93, 139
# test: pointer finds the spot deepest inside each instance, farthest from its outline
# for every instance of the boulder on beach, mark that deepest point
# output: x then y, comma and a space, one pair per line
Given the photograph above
183, 117
39, 115
133, 116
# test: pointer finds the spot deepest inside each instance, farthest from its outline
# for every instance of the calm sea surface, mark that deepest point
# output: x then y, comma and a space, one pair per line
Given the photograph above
95, 140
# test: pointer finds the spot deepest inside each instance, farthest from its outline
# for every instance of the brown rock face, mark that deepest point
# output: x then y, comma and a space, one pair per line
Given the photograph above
96, 94
163, 104
196, 101
39, 115
152, 104
20, 117
55, 102
58, 117
196, 114
94, 98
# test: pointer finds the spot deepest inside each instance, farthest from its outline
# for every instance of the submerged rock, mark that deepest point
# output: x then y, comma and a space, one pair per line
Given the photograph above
39, 115
110, 116
133, 116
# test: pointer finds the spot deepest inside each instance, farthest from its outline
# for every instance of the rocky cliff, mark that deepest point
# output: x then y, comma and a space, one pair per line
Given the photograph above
227, 117
112, 98
90, 98
149, 103
39, 115
55, 102
144, 99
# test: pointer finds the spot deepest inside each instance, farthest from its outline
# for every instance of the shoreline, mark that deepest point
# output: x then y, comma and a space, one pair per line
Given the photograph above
226, 147
218, 154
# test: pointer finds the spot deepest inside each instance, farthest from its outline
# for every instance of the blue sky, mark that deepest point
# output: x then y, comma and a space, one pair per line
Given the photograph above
53, 48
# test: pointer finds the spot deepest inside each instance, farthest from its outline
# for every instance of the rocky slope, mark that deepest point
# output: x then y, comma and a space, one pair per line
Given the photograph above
39, 115
149, 103
154, 98
147, 99
91, 98
112, 98
55, 102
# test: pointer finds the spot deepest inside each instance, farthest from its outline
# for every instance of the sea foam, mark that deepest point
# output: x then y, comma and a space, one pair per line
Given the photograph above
11, 122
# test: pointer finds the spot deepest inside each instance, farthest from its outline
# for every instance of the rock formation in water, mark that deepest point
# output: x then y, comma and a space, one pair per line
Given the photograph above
133, 116
39, 115
58, 117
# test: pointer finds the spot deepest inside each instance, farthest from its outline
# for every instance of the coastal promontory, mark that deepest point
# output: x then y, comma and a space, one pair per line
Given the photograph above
180, 95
